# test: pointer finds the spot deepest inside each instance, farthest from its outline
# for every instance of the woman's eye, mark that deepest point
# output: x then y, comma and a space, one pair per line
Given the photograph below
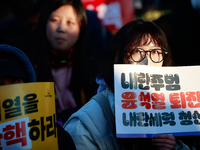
53, 20
136, 51
70, 22
14, 80
154, 51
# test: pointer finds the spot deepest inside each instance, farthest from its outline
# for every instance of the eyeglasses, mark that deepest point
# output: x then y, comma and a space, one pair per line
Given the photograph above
156, 55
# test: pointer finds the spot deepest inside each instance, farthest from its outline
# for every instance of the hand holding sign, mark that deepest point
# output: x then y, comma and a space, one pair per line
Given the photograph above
164, 140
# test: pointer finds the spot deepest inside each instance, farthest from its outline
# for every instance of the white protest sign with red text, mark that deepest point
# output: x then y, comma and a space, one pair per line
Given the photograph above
156, 100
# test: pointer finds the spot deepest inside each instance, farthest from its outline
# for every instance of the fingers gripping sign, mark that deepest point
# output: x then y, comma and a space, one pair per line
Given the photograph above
164, 141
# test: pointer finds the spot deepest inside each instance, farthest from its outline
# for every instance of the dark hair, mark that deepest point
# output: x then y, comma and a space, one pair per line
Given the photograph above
36, 45
27, 8
77, 5
131, 35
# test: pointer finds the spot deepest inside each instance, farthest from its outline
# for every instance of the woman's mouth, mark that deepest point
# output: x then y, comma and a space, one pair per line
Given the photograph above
60, 39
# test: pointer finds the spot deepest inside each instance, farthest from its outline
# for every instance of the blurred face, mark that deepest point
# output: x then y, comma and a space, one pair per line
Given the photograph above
156, 54
10, 80
63, 28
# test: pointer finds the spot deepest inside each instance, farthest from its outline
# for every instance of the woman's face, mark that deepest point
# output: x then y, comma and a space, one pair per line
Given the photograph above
147, 60
62, 28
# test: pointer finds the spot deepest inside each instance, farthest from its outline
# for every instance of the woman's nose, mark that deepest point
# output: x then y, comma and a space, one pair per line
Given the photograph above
147, 61
62, 27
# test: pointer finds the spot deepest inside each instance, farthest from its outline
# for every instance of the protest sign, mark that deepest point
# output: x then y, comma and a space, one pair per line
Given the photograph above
27, 118
156, 100
113, 14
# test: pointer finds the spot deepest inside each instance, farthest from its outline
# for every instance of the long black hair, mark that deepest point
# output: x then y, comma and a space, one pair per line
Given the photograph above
131, 35
36, 45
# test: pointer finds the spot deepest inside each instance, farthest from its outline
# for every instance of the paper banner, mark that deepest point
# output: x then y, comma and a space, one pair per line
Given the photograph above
157, 100
27, 119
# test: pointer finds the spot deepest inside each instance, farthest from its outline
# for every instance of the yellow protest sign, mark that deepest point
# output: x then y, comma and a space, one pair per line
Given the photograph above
27, 118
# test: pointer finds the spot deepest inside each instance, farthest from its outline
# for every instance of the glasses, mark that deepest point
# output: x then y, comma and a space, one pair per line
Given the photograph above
156, 55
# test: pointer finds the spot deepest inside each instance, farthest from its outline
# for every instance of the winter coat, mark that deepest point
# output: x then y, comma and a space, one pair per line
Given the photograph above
89, 129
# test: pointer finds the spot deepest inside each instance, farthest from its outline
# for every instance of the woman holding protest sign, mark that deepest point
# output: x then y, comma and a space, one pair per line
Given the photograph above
93, 126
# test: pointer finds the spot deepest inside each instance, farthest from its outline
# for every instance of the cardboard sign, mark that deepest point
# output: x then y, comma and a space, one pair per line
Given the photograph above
27, 118
156, 100
113, 14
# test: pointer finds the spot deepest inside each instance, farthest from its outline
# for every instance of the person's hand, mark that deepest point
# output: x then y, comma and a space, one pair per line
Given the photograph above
164, 141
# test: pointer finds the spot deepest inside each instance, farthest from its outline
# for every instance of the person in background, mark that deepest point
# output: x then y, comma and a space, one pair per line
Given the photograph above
16, 68
25, 17
61, 50
93, 126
